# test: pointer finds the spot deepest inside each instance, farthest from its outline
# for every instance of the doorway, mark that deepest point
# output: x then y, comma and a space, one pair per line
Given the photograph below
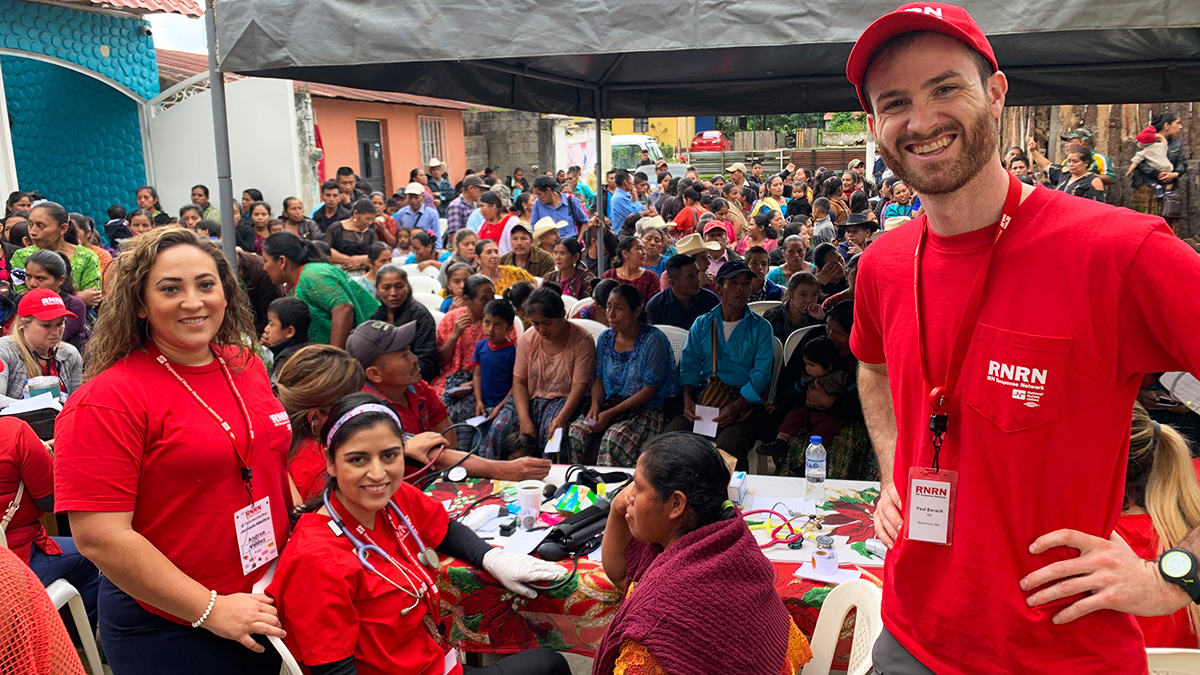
370, 153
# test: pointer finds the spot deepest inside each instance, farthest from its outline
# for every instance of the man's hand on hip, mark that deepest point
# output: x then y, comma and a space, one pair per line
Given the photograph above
1107, 571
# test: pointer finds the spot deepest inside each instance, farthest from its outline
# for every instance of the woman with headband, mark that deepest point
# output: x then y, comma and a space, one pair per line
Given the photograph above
357, 586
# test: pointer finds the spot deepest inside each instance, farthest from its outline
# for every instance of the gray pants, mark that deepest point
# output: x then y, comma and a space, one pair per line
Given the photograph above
891, 658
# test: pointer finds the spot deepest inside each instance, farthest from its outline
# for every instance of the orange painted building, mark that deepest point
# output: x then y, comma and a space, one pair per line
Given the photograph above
409, 136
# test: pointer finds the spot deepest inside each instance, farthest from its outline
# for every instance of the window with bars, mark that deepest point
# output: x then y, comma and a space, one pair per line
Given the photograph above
433, 137
641, 125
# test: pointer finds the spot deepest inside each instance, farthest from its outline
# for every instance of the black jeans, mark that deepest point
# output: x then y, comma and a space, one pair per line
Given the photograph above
532, 662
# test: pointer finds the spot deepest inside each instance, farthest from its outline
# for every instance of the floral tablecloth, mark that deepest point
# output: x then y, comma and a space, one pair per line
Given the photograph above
487, 618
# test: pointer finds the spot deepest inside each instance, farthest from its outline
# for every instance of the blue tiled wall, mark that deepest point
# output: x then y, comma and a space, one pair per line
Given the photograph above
79, 37
75, 139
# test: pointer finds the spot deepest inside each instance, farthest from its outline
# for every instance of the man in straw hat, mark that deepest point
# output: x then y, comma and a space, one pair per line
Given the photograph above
999, 400
439, 183
545, 233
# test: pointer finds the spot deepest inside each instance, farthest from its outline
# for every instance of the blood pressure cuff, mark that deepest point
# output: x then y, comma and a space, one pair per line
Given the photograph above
461, 542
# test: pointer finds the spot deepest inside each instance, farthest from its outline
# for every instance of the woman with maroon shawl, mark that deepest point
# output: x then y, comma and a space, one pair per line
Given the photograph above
699, 595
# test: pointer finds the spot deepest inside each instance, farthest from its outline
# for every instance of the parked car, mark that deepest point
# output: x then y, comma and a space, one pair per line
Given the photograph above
710, 141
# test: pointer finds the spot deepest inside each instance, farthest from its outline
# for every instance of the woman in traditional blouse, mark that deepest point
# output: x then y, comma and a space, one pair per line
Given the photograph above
569, 273
502, 276
635, 374
556, 363
699, 596
627, 267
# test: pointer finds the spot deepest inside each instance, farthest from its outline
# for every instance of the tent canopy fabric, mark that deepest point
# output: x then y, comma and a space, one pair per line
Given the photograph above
616, 58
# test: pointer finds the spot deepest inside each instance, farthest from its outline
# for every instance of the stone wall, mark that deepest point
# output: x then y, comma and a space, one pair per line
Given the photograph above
505, 139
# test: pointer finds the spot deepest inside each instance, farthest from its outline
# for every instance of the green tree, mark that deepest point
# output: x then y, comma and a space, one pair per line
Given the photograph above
846, 121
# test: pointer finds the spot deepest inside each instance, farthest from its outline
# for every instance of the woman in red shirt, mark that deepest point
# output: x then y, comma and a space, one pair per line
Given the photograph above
627, 268
171, 464
350, 613
1162, 504
496, 219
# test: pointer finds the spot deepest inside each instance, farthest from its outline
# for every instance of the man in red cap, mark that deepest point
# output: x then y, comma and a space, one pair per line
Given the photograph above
999, 371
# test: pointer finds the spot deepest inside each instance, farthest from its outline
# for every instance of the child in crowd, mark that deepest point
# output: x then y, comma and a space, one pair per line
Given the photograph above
823, 228
516, 446
287, 329
403, 243
495, 359
1153, 151
516, 295
824, 369
901, 204
116, 229
274, 225
452, 290
391, 206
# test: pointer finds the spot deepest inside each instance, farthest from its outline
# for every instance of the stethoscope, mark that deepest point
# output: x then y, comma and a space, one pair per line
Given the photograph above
417, 586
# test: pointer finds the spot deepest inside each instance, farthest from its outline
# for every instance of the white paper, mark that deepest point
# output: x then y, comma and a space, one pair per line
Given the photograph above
476, 421
555, 443
706, 424
806, 571
461, 387
39, 402
793, 506
595, 556
929, 511
523, 541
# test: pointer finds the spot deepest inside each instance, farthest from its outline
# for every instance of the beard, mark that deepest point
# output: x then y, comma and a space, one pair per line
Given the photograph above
978, 148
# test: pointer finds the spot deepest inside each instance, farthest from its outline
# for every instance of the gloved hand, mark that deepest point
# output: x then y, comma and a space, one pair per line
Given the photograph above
511, 570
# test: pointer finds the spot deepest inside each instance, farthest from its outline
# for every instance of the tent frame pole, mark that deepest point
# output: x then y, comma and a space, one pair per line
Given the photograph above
216, 85
601, 189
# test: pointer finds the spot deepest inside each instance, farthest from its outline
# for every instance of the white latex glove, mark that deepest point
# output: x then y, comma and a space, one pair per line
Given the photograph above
511, 570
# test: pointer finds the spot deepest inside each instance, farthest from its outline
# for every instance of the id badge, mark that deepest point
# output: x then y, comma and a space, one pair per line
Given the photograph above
255, 535
929, 510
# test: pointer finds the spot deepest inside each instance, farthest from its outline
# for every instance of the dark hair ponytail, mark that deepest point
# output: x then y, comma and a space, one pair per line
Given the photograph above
680, 461
763, 221
295, 249
517, 294
624, 246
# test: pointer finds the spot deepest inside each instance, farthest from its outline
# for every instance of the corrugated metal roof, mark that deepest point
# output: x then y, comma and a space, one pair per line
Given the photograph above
174, 67
185, 7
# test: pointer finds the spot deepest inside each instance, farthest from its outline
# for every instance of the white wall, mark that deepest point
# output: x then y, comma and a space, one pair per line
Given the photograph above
264, 150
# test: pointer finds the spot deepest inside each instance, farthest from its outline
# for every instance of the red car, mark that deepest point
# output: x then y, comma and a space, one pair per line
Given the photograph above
710, 141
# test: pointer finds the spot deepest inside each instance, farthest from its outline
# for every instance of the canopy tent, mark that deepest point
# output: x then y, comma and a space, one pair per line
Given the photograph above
614, 58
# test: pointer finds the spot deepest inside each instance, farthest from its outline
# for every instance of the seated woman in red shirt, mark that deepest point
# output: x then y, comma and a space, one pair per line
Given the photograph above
627, 268
360, 577
1162, 504
170, 462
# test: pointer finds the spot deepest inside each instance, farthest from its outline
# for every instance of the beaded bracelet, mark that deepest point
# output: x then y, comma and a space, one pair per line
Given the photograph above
212, 600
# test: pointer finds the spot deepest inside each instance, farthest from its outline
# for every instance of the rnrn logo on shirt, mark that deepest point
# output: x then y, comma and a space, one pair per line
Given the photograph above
281, 419
1027, 384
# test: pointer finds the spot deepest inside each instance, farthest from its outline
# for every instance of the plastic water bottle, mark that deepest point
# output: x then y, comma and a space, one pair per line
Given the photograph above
814, 470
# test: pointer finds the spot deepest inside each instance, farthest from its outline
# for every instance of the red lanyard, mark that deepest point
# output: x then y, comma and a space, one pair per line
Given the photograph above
940, 394
243, 456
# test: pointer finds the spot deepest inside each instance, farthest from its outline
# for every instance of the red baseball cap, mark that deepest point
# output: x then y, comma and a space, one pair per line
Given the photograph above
937, 17
43, 304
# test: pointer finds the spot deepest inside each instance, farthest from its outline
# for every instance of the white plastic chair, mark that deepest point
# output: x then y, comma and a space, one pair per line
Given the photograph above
795, 340
432, 302
290, 666
858, 594
63, 593
437, 316
414, 270
419, 283
595, 328
578, 307
761, 306
518, 325
677, 337
1165, 661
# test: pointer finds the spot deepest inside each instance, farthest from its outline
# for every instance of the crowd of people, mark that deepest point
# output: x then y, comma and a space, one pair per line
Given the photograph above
601, 315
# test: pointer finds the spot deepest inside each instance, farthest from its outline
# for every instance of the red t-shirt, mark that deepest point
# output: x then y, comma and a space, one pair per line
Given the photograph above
1172, 630
1090, 296
307, 468
496, 231
133, 439
424, 409
24, 458
332, 607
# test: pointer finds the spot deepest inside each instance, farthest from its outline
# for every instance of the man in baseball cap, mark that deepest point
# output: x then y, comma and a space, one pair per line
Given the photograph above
464, 205
1000, 482
745, 352
394, 373
416, 214
737, 174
